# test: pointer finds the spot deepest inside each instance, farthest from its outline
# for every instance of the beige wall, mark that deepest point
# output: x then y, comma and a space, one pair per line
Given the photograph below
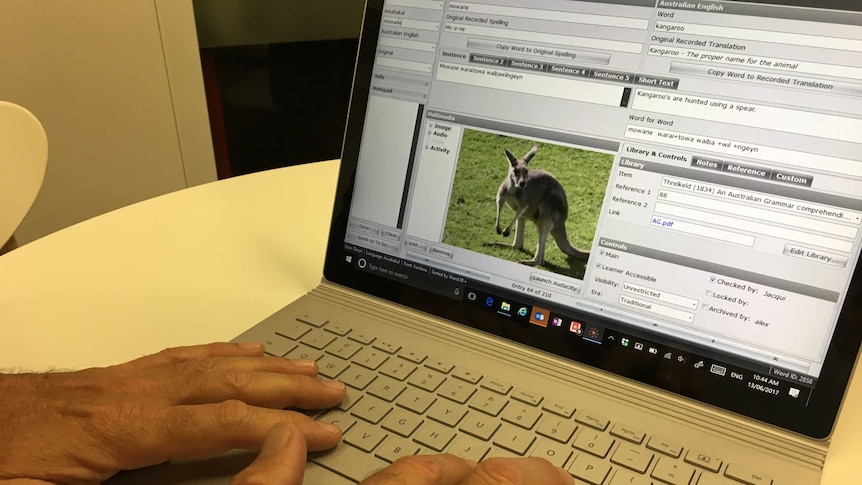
117, 86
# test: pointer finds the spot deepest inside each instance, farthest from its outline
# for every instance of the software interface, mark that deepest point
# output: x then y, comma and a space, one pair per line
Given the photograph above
708, 155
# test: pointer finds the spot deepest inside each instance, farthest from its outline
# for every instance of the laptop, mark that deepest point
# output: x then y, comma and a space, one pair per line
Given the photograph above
621, 235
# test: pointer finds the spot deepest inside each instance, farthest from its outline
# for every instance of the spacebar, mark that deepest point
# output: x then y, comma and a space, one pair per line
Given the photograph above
348, 462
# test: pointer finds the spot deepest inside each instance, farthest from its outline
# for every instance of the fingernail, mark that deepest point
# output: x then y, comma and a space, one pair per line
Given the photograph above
251, 345
304, 363
329, 427
277, 440
333, 384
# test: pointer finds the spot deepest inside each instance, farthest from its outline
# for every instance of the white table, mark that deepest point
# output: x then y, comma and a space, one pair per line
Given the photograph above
201, 265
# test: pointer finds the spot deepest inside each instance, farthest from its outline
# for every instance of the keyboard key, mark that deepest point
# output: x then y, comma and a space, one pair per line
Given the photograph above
402, 422
412, 356
559, 408
365, 437
467, 375
397, 369
348, 462
344, 348
527, 397
340, 419
357, 377
396, 447
427, 379
447, 413
337, 329
496, 385
313, 320
520, 415
593, 420
479, 425
632, 457
598, 444
386, 346
468, 448
589, 469
628, 433
386, 388
278, 345
514, 439
556, 453
557, 429
318, 339
304, 352
623, 477
331, 367
370, 358
371, 409
434, 436
746, 475
456, 390
488, 402
361, 337
293, 330
353, 396
497, 452
440, 365
703, 460
416, 400
667, 447
672, 472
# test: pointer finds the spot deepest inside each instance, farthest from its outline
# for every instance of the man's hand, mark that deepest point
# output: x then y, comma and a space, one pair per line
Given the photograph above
451, 470
189, 402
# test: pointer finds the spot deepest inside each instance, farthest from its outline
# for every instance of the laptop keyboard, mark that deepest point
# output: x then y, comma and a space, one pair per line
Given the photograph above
402, 402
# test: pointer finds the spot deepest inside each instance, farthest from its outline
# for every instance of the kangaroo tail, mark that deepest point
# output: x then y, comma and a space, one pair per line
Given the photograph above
562, 240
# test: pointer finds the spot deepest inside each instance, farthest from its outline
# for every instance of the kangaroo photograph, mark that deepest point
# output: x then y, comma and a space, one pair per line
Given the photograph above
533, 203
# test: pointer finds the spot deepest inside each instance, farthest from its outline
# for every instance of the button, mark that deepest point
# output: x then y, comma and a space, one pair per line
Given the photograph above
593, 420
703, 460
746, 475
815, 255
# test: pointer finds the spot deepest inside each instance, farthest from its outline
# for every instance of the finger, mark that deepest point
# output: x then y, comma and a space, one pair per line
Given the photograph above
423, 470
190, 432
281, 460
197, 352
266, 363
264, 389
518, 471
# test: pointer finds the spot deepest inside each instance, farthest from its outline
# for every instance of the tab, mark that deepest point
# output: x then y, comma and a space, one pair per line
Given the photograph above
453, 55
616, 76
569, 70
659, 82
747, 170
528, 65
706, 163
792, 178
490, 60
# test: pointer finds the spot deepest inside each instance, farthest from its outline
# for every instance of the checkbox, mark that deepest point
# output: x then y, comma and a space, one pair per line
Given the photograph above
712, 280
709, 294
602, 252
598, 265
705, 306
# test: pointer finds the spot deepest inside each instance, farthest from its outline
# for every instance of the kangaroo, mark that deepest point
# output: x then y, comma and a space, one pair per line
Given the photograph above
537, 196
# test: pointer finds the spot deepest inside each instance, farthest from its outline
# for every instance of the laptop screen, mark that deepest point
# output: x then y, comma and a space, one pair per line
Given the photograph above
667, 190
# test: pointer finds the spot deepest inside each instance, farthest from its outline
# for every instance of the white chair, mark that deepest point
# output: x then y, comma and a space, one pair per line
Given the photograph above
23, 161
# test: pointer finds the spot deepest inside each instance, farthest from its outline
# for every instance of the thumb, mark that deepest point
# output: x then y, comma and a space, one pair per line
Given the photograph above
281, 460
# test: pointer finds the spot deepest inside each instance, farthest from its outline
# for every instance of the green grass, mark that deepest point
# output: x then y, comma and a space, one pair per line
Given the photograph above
482, 167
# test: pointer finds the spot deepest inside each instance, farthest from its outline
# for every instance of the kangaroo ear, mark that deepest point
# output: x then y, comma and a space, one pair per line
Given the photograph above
532, 153
512, 158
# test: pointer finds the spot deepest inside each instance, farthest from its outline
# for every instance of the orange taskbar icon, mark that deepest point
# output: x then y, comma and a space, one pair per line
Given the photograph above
540, 316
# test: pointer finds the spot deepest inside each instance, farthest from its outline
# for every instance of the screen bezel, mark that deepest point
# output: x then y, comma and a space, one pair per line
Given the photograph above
815, 421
